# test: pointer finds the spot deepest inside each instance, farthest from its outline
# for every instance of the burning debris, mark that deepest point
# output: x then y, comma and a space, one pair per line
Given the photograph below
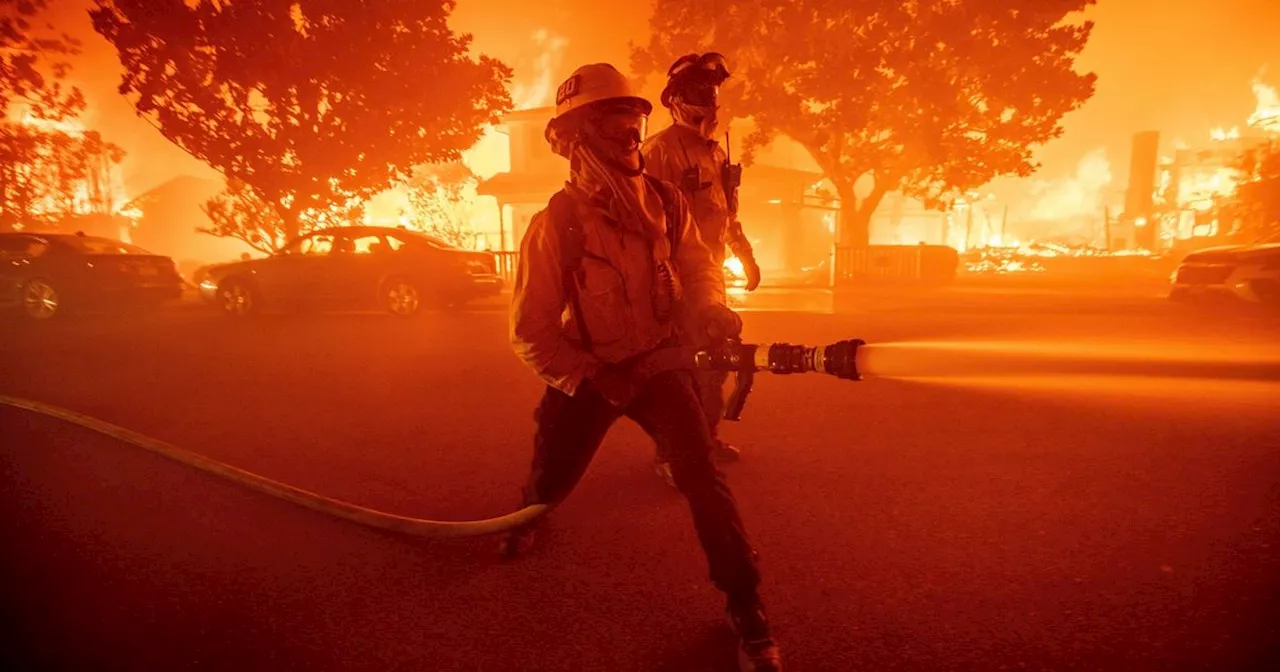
1032, 256
1266, 116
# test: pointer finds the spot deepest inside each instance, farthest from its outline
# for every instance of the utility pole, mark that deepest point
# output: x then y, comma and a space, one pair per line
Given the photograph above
1106, 228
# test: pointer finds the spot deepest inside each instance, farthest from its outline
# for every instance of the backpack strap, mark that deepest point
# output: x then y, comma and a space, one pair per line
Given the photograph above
573, 247
674, 206
573, 242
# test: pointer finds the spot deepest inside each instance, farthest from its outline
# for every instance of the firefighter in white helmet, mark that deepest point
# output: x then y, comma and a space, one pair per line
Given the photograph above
606, 272
688, 155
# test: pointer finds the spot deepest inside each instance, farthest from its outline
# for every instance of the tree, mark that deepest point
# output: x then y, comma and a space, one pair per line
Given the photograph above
438, 204
311, 103
32, 75
930, 97
31, 69
239, 212
52, 171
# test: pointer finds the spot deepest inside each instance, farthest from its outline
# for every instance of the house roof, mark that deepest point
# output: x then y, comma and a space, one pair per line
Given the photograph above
182, 188
521, 187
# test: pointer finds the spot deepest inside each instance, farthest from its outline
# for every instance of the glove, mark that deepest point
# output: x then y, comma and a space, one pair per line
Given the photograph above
615, 383
752, 271
719, 322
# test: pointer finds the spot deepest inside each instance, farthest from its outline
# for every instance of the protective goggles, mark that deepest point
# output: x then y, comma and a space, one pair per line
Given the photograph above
621, 123
700, 95
710, 66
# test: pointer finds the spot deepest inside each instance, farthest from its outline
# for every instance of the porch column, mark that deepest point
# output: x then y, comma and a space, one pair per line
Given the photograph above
502, 225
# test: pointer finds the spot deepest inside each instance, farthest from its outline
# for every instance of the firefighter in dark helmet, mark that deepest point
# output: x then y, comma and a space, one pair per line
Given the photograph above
688, 155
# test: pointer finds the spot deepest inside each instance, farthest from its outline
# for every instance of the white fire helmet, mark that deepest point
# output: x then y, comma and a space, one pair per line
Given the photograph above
589, 86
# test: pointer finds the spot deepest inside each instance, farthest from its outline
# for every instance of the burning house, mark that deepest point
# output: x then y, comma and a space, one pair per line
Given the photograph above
1177, 200
1197, 182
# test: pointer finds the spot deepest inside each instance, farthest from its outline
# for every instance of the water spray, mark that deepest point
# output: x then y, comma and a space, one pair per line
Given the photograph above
959, 360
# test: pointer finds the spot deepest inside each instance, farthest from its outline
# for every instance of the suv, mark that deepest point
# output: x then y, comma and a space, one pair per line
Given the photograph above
1246, 272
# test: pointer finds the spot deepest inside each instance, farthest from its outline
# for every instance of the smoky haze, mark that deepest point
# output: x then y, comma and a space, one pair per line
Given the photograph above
1182, 67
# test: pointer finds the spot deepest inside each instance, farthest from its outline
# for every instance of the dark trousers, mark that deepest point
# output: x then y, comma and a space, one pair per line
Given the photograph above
570, 430
710, 386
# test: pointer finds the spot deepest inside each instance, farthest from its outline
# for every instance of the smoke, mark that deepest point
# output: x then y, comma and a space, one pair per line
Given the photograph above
1069, 200
535, 83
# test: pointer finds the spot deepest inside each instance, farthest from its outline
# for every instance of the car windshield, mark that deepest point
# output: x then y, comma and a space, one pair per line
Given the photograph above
96, 245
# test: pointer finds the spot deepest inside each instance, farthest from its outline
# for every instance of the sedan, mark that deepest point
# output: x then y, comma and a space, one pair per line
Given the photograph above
45, 275
1249, 273
394, 270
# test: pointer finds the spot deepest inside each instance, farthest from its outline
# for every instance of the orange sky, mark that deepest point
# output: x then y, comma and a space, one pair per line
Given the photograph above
1178, 66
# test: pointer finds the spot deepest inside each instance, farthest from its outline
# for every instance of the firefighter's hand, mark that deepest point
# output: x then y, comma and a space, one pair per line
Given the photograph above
752, 270
616, 383
719, 322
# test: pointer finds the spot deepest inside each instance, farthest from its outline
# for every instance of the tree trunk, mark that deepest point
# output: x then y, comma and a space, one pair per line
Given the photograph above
292, 227
855, 223
855, 215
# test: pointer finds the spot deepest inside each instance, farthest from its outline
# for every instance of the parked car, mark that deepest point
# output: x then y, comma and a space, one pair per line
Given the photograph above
1246, 272
396, 270
44, 275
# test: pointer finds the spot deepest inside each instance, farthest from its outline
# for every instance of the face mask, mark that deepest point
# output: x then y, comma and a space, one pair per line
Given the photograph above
702, 119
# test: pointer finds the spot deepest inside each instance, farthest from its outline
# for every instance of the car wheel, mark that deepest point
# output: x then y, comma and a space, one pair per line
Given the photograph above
401, 297
237, 298
40, 301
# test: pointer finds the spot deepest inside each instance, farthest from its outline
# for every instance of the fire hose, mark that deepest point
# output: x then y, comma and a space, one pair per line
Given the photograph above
744, 359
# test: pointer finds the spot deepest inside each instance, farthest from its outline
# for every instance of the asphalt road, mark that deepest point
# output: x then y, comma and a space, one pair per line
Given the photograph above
945, 519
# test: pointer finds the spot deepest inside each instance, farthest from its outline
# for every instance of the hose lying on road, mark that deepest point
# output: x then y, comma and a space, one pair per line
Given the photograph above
357, 514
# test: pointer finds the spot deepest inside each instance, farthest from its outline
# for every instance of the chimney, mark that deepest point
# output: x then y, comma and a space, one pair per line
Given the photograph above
1138, 201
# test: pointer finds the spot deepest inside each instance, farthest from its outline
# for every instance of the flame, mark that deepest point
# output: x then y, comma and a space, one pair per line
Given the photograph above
1202, 185
1221, 134
83, 200
734, 268
1198, 188
537, 91
1266, 115
492, 152
71, 127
